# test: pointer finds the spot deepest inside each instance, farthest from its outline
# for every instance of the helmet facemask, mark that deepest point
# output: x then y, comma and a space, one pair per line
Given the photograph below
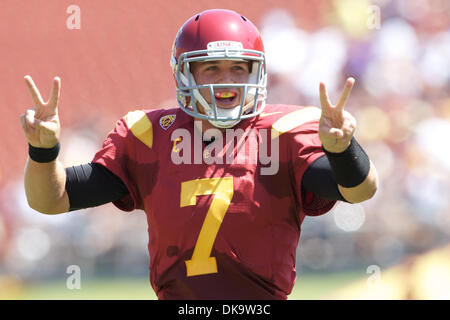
253, 92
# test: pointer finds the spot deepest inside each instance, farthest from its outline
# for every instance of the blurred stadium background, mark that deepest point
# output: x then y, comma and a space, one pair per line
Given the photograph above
395, 246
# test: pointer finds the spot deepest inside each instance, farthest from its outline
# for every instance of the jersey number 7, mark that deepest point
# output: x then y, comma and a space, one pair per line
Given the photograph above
201, 261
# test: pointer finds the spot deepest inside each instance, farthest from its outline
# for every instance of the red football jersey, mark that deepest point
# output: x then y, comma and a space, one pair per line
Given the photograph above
219, 226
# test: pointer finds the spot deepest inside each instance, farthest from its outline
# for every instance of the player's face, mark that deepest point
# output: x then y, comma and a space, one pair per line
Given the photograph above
221, 71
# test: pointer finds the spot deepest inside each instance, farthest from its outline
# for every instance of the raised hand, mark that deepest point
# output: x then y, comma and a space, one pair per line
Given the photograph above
41, 122
336, 126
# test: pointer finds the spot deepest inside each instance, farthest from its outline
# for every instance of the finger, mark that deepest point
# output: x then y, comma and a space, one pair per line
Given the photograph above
35, 94
26, 128
338, 133
54, 95
324, 101
44, 126
47, 126
29, 118
23, 122
29, 127
345, 93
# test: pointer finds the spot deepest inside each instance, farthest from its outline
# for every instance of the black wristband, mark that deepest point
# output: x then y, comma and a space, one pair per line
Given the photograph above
43, 155
350, 167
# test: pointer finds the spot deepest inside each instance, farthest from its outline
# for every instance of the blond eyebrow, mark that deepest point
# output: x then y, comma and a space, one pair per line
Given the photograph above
205, 64
217, 62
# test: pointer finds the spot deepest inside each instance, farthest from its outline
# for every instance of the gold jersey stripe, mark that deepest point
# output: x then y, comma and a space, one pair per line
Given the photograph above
294, 119
140, 126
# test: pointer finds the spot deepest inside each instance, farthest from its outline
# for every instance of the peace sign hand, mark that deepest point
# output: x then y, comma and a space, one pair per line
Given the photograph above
41, 122
336, 126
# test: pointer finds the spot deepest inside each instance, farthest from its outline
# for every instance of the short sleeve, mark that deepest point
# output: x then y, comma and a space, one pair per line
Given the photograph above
117, 155
305, 147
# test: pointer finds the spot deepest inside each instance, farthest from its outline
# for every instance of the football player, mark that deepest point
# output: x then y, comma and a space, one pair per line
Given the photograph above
221, 228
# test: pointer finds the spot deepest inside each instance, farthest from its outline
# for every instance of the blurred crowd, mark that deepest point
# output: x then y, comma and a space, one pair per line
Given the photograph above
399, 54
402, 105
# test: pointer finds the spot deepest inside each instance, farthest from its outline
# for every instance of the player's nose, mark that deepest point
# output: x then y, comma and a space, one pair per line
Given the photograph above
226, 76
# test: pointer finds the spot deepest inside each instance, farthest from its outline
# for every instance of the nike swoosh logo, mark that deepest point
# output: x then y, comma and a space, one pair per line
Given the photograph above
268, 114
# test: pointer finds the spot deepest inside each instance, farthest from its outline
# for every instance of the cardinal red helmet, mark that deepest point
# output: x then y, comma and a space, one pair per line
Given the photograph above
216, 35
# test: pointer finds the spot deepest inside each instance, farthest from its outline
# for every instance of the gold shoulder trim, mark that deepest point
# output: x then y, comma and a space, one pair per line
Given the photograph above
294, 119
140, 126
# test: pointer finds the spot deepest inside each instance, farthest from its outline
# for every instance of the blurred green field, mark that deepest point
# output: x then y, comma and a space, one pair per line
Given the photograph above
308, 286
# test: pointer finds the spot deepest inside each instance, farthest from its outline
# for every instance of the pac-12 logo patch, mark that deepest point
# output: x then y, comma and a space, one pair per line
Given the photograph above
166, 121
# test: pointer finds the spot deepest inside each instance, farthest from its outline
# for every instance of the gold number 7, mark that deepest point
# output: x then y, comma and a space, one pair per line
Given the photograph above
222, 188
